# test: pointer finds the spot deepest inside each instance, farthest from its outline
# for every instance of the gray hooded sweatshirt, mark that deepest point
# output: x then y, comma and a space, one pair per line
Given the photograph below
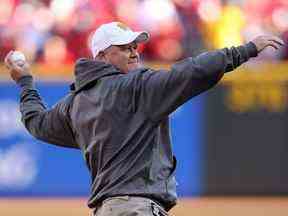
120, 121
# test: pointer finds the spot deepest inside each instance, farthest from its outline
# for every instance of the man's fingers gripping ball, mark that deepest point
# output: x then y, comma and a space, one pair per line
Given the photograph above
15, 60
18, 67
7, 60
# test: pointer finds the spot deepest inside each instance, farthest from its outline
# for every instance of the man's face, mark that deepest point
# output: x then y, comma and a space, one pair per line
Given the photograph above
124, 57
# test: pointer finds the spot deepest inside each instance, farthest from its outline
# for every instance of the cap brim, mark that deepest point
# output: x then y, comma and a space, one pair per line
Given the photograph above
138, 37
142, 37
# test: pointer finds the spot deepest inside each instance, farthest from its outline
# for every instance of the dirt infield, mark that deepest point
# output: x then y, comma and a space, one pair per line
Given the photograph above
214, 206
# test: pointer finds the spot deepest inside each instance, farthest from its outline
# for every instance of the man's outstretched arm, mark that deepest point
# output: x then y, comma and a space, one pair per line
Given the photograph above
52, 125
163, 92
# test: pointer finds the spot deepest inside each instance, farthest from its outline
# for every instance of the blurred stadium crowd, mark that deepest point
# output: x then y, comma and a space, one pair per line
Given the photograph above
57, 32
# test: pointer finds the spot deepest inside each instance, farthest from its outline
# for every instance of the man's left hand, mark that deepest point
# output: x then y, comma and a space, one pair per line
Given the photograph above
261, 42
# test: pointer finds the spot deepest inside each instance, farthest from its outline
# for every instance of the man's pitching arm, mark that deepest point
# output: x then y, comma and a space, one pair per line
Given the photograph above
47, 125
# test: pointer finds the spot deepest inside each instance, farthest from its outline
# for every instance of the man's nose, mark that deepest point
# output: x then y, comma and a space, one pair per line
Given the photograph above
134, 53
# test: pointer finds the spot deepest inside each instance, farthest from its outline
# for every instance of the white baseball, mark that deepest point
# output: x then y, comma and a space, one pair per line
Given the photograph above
18, 56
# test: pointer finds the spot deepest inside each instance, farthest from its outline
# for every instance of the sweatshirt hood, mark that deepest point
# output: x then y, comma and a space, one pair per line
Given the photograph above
88, 70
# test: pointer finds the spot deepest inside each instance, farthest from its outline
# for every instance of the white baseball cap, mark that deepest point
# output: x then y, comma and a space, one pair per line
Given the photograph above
115, 33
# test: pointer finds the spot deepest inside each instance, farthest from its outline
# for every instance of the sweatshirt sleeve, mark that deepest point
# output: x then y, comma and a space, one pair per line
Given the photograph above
163, 92
51, 126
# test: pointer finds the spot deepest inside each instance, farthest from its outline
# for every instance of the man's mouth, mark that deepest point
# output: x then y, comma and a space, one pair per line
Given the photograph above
133, 61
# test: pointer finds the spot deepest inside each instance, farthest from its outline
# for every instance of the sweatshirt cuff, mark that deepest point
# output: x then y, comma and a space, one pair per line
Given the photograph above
26, 82
251, 49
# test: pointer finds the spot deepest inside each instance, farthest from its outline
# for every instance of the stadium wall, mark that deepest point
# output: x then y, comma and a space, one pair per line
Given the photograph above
230, 140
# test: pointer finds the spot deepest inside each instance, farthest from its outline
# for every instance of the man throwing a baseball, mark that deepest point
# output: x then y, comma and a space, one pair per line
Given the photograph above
117, 114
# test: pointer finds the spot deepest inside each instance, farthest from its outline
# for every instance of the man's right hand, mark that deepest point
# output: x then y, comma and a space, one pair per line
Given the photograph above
18, 68
261, 42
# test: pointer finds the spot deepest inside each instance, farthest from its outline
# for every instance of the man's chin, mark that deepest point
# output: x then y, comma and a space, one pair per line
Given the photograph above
133, 66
